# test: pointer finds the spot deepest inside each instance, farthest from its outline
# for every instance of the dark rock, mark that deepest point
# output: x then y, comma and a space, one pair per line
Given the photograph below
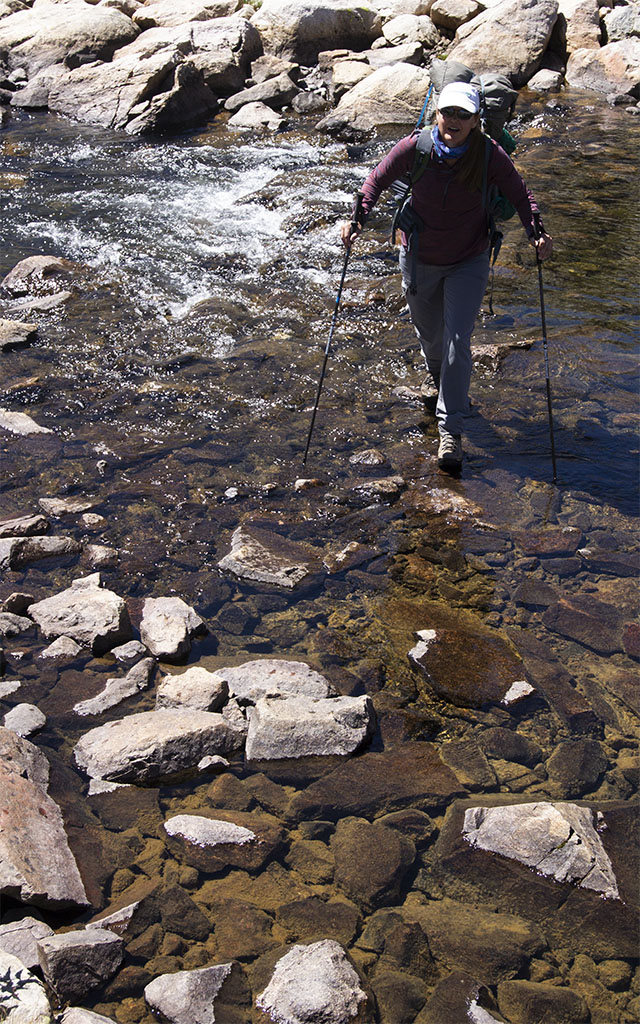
260, 838
455, 998
509, 745
180, 914
76, 962
535, 594
242, 931
524, 1001
616, 563
631, 639
398, 944
399, 995
576, 766
410, 776
588, 621
553, 541
311, 919
414, 824
471, 767
371, 862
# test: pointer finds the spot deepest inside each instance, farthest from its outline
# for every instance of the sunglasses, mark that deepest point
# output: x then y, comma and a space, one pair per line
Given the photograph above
462, 115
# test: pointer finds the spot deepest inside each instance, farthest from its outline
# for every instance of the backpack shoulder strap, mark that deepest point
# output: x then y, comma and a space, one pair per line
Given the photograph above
424, 145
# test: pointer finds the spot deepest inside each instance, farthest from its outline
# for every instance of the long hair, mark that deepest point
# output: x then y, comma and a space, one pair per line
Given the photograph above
470, 167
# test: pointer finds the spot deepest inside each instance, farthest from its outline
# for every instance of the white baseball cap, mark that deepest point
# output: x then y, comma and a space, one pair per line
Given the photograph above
460, 94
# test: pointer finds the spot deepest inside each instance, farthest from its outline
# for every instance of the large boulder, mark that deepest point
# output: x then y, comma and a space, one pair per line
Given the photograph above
411, 28
578, 24
300, 29
75, 962
94, 617
162, 13
24, 1000
139, 95
614, 68
308, 727
511, 38
154, 745
391, 95
51, 33
313, 983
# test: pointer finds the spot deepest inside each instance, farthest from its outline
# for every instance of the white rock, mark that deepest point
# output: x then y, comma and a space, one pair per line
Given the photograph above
57, 507
411, 28
19, 938
391, 95
207, 832
196, 688
307, 727
154, 745
94, 617
313, 983
23, 998
168, 624
188, 997
299, 29
253, 115
557, 839
74, 1015
517, 692
117, 690
266, 557
64, 647
25, 719
129, 651
273, 677
9, 686
20, 423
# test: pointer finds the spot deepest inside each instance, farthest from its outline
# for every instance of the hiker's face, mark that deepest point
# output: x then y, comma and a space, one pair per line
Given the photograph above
455, 125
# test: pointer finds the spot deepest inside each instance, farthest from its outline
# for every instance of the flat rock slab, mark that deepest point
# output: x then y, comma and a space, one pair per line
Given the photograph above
16, 332
167, 626
375, 783
196, 688
558, 840
308, 727
116, 690
74, 963
231, 839
315, 982
154, 745
469, 669
188, 997
23, 526
271, 677
94, 617
267, 557
587, 620
75, 1015
36, 864
23, 996
20, 938
16, 552
20, 423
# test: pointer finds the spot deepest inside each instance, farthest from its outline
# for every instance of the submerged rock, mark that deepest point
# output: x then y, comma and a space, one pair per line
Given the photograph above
308, 727
94, 617
137, 679
526, 1001
459, 998
371, 862
267, 557
231, 839
74, 963
556, 839
315, 982
15, 332
154, 745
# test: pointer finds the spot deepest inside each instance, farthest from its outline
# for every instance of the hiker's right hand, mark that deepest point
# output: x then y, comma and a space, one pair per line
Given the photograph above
348, 233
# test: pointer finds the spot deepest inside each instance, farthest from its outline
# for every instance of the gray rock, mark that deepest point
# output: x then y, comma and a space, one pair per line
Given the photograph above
154, 745
451, 14
13, 625
188, 997
300, 29
546, 80
74, 1015
25, 719
276, 92
24, 1000
579, 24
94, 617
64, 648
8, 686
274, 677
315, 982
58, 507
14, 332
19, 938
623, 22
129, 651
558, 840
614, 68
20, 423
74, 963
391, 95
267, 557
137, 679
162, 13
346, 74
405, 53
411, 28
196, 688
16, 552
167, 626
38, 275
256, 115
269, 66
36, 864
23, 526
21, 756
510, 38
308, 727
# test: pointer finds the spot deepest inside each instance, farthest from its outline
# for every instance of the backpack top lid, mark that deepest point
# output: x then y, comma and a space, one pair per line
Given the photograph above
497, 95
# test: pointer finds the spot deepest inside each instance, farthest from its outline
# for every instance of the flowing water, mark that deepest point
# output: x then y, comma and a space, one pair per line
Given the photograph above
178, 382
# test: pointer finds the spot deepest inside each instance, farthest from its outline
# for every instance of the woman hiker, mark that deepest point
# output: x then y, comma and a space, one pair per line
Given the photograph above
452, 268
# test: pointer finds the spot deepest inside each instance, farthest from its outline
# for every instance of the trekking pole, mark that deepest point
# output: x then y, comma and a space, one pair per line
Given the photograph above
355, 221
425, 106
536, 219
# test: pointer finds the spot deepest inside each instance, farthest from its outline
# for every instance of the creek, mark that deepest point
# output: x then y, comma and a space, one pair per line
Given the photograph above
179, 381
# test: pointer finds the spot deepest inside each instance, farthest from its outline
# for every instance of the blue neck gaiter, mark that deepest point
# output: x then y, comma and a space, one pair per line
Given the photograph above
442, 150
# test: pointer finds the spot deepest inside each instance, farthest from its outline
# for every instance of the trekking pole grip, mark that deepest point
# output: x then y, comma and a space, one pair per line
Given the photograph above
356, 215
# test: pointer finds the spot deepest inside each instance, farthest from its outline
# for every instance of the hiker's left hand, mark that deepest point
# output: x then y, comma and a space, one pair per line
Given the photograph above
543, 245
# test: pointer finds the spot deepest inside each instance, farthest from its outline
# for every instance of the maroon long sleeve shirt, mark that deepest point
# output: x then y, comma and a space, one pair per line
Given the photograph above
455, 221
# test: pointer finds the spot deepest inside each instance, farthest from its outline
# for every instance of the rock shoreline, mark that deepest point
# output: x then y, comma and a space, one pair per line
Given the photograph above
164, 65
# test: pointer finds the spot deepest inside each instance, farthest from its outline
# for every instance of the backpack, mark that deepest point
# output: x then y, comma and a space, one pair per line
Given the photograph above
497, 104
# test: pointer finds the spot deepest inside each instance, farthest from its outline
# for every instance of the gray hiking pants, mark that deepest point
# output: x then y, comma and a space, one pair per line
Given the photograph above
443, 312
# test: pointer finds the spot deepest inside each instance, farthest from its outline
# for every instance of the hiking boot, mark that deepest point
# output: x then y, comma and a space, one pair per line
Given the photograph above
430, 390
450, 451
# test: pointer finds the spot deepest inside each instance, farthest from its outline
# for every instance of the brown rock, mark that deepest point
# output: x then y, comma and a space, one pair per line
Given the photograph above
471, 767
554, 541
525, 1001
631, 639
576, 766
509, 745
588, 621
249, 856
242, 931
312, 919
452, 999
371, 862
410, 776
